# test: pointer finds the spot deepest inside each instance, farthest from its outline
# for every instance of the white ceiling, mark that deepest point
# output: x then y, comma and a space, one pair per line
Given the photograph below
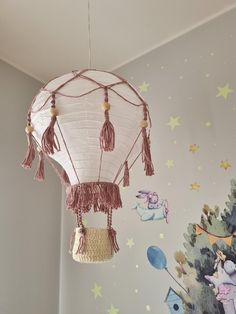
47, 38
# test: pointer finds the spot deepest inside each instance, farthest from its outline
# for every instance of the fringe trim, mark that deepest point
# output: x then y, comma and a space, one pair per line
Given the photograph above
30, 154
126, 175
99, 196
112, 237
146, 154
40, 174
107, 135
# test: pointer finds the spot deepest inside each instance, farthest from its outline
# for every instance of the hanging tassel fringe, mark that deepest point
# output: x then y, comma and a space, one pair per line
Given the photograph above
82, 241
146, 154
72, 240
126, 175
112, 237
40, 174
99, 196
107, 135
30, 154
64, 178
49, 137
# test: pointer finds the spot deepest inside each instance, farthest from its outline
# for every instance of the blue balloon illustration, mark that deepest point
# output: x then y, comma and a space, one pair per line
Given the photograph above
158, 260
156, 257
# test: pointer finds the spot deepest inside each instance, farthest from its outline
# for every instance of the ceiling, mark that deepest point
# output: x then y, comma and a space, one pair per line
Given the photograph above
47, 38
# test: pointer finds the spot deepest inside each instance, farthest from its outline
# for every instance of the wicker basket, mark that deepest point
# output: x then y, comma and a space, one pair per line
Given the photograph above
98, 247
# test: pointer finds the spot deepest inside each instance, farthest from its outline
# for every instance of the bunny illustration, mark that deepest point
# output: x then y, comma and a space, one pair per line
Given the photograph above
151, 198
223, 282
156, 208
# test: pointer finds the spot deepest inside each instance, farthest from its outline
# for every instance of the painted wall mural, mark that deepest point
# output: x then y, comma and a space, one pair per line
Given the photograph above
152, 207
208, 267
190, 86
174, 302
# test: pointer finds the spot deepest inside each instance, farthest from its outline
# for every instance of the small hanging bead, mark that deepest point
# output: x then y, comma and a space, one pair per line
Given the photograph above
54, 111
106, 106
29, 129
143, 124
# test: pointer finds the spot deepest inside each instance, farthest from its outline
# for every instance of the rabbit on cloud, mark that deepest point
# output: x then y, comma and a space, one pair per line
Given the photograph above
153, 207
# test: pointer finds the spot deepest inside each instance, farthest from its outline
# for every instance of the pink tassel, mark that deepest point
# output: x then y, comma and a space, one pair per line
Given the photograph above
82, 241
112, 236
30, 154
64, 178
146, 154
107, 135
126, 175
40, 175
48, 138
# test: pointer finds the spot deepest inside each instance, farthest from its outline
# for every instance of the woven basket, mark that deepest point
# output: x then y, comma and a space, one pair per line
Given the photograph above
98, 246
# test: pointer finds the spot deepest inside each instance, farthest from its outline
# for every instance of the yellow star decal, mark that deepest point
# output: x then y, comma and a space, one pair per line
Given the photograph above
169, 163
96, 291
195, 186
193, 148
130, 243
144, 87
224, 91
161, 236
208, 124
173, 122
112, 310
225, 164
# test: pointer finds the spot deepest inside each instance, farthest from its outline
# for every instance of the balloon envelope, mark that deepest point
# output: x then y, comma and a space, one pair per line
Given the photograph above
80, 121
156, 257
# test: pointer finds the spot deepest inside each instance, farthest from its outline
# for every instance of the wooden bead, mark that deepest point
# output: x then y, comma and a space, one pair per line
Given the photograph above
29, 129
39, 149
54, 111
106, 106
143, 124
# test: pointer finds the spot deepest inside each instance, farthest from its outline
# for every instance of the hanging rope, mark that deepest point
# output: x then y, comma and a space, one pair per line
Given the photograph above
89, 38
112, 232
82, 231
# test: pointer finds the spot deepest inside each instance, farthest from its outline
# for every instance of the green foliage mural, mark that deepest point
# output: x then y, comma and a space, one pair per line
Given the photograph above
204, 268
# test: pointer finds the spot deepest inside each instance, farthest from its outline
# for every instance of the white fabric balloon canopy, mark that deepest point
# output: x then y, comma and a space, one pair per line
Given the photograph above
94, 124
79, 96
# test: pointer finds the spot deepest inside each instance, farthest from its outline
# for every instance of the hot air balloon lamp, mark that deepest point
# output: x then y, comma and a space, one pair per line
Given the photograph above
95, 125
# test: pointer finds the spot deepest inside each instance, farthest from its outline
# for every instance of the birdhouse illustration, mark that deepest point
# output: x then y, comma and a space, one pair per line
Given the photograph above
174, 302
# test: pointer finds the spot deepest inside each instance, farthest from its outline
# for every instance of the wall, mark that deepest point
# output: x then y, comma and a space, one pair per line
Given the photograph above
184, 78
29, 211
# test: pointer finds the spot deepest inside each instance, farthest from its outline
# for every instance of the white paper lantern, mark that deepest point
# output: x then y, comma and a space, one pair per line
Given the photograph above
94, 124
